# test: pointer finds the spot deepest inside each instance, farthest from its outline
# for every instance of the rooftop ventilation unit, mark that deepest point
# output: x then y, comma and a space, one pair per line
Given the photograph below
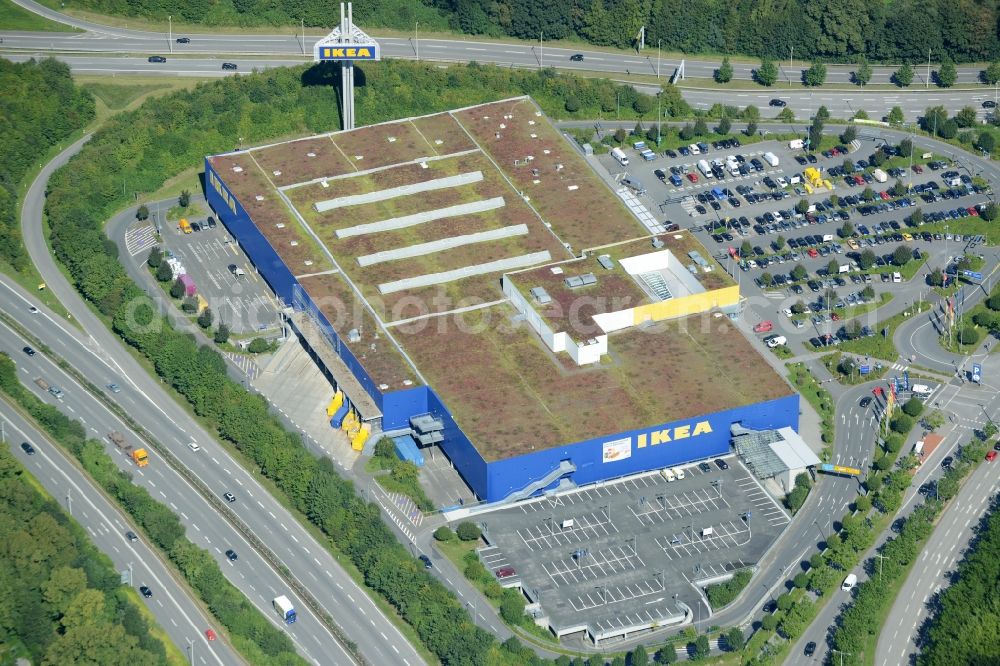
606, 261
540, 295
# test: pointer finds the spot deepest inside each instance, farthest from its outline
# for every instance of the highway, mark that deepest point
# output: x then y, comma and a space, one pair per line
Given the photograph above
173, 603
107, 39
99, 354
205, 526
931, 571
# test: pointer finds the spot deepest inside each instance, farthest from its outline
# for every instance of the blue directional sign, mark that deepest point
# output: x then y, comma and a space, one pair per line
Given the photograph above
906, 380
972, 275
865, 369
977, 373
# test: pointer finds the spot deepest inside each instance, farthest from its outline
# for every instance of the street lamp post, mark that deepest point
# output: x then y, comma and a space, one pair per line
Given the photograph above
190, 651
170, 33
416, 38
927, 80
841, 653
658, 59
541, 51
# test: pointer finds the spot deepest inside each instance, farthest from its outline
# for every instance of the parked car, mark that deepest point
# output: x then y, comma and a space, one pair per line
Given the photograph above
764, 327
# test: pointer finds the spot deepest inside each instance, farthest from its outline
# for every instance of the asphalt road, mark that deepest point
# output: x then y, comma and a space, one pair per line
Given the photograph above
931, 571
99, 354
173, 603
521, 54
205, 527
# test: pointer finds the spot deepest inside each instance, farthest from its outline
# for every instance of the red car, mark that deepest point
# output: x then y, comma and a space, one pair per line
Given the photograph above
209, 634
973, 211
885, 196
991, 456
764, 327
693, 177
858, 180
834, 316
812, 252
505, 572
917, 168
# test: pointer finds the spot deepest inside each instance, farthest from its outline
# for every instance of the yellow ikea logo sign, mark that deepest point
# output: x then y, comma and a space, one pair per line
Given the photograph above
347, 53
673, 434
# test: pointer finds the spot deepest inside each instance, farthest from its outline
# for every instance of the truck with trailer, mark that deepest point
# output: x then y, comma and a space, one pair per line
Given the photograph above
285, 609
138, 456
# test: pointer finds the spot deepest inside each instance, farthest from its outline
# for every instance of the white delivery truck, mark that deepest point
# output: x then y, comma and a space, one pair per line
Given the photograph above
796, 144
880, 176
705, 169
770, 158
921, 390
284, 608
619, 156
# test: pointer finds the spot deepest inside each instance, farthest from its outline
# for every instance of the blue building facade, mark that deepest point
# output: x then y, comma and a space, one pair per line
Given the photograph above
592, 460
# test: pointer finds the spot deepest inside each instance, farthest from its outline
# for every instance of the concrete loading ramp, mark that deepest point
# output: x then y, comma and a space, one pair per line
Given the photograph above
431, 247
499, 266
401, 191
422, 218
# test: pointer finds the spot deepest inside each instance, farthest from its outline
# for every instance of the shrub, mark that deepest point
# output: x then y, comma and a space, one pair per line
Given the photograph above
512, 606
258, 346
177, 288
722, 594
468, 531
444, 533
205, 318
190, 305
572, 104
221, 334
913, 407
968, 335
164, 273
155, 258
901, 424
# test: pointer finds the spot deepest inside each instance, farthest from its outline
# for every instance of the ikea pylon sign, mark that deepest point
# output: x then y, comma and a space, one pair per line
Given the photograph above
352, 52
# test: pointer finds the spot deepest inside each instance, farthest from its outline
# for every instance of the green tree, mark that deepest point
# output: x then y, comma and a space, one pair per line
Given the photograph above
905, 148
904, 75
184, 200
666, 655
898, 189
189, 305
991, 75
849, 134
786, 115
751, 128
746, 249
779, 243
512, 606
221, 334
724, 126
686, 133
724, 74
966, 116
990, 212
735, 639
947, 73
751, 113
868, 194
767, 279
986, 142
639, 657
444, 533
863, 74
177, 288
833, 267
468, 531
799, 272
846, 230
823, 113
643, 104
866, 259
572, 104
155, 257
901, 255
860, 114
700, 128
767, 73
258, 346
815, 75
895, 116
142, 213
816, 133
901, 424
968, 335
949, 130
702, 649
913, 407
164, 273
205, 318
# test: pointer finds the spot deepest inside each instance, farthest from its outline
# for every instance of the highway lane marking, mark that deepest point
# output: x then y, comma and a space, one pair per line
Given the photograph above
317, 563
293, 538
162, 494
283, 526
226, 471
395, 649
70, 408
262, 506
384, 637
195, 525
184, 516
348, 595
269, 513
152, 484
173, 506
215, 461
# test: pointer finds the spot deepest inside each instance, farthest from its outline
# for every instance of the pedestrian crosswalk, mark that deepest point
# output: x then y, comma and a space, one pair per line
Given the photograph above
139, 239
245, 363
408, 507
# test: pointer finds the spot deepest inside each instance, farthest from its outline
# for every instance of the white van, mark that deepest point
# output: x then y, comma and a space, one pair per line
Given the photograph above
849, 582
921, 390
695, 150
897, 277
668, 474
678, 472
620, 156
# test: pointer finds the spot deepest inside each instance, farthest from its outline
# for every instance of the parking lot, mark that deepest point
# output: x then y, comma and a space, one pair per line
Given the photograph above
224, 276
632, 552
749, 218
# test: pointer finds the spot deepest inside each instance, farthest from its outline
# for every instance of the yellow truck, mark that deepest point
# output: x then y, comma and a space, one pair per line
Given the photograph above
185, 226
139, 456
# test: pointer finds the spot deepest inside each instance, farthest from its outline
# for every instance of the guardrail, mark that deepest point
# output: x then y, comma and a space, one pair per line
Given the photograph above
202, 488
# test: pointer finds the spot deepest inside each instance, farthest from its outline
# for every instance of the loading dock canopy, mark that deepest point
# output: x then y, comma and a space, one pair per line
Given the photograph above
770, 453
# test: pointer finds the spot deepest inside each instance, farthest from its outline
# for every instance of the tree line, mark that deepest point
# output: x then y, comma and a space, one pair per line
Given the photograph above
839, 30
39, 107
161, 138
63, 600
252, 634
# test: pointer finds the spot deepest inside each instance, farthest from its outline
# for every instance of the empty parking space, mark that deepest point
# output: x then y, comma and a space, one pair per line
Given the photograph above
633, 547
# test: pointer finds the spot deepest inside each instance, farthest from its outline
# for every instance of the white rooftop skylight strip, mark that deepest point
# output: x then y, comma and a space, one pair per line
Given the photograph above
401, 191
421, 218
501, 265
431, 247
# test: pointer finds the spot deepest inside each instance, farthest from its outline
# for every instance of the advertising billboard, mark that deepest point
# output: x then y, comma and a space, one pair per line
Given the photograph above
368, 51
618, 449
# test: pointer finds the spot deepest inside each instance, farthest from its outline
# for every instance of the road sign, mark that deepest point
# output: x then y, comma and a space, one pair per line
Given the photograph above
977, 373
972, 275
865, 369
906, 380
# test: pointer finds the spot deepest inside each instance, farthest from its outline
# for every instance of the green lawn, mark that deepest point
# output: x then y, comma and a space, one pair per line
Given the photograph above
817, 396
832, 362
13, 17
117, 96
879, 345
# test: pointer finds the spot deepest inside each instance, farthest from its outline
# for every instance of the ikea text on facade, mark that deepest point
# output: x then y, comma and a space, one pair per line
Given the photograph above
672, 434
